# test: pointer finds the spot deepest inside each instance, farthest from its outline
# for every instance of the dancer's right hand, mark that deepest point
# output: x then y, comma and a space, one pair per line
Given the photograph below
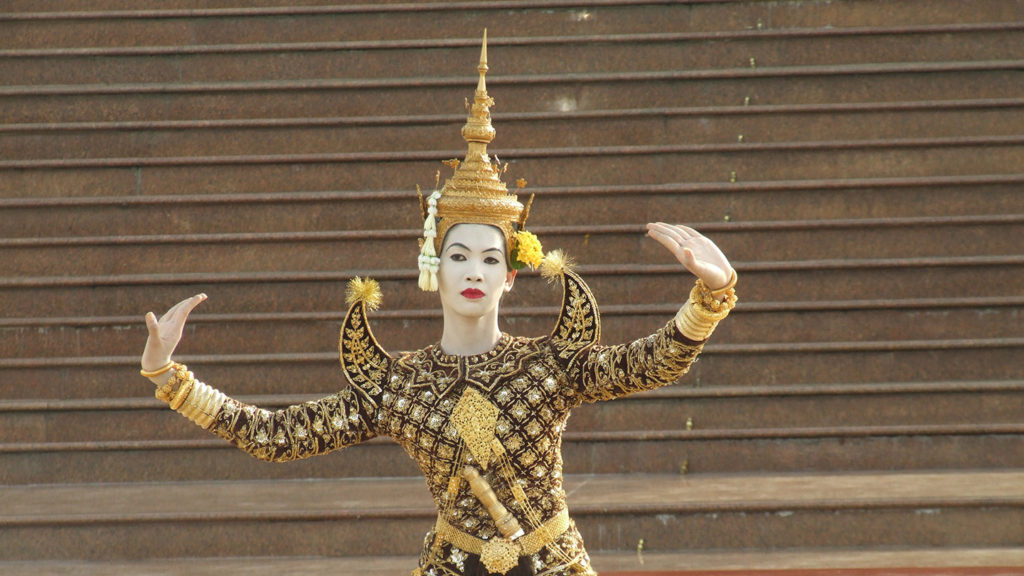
165, 333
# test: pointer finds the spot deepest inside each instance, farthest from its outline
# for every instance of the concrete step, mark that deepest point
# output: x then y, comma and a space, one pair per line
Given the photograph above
673, 408
870, 121
990, 235
316, 331
669, 512
612, 165
862, 562
564, 91
314, 372
32, 25
842, 562
832, 280
786, 450
311, 370
271, 59
598, 205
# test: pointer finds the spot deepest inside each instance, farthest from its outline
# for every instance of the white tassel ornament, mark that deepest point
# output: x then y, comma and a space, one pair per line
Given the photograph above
429, 263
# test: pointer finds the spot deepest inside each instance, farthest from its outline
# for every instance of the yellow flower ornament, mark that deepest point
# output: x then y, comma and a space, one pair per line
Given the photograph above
526, 251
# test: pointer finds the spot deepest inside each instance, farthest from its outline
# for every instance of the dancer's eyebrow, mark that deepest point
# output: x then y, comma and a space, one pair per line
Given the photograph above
466, 248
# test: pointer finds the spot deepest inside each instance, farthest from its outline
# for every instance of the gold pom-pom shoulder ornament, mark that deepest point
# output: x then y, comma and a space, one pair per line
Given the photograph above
363, 290
475, 194
554, 265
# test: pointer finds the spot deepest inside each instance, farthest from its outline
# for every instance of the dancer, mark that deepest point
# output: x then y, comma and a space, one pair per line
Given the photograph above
481, 412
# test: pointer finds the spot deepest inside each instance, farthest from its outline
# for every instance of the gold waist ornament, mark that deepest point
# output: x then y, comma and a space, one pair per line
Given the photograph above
525, 545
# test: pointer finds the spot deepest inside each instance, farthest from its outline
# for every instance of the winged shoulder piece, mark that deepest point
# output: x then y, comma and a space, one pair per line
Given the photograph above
579, 322
364, 362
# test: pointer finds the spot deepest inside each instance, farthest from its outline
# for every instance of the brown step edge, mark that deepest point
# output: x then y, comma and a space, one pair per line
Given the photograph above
520, 154
411, 329
765, 281
256, 374
908, 562
171, 23
965, 105
180, 23
328, 250
991, 235
609, 127
530, 55
287, 332
677, 407
647, 164
499, 82
943, 561
744, 349
739, 365
322, 98
213, 332
741, 201
510, 41
670, 512
781, 450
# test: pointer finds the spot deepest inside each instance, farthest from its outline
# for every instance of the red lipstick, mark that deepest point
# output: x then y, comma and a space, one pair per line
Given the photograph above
472, 293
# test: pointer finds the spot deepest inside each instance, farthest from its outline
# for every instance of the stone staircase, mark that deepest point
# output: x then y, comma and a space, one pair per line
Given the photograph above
861, 163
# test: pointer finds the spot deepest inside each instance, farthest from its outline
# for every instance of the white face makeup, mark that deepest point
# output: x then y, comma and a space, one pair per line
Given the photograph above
473, 273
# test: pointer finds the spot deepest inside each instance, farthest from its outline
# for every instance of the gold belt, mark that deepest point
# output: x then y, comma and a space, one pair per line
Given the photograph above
528, 544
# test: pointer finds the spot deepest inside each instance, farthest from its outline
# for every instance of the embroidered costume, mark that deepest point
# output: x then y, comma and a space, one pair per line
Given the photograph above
485, 430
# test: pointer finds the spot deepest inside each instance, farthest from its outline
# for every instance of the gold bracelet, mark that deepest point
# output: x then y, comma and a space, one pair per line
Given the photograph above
178, 375
709, 307
731, 284
165, 393
699, 316
159, 371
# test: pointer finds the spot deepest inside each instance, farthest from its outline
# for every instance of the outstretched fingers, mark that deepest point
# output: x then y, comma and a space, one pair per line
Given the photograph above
182, 309
693, 250
666, 236
677, 238
165, 333
191, 304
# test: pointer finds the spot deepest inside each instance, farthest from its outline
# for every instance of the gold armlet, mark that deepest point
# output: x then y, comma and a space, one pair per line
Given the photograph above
191, 398
202, 404
700, 314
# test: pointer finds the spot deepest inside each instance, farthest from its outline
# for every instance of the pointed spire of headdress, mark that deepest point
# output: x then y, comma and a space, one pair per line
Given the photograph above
478, 127
476, 178
481, 85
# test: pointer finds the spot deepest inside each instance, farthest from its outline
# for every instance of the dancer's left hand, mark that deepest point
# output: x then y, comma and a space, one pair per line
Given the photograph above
694, 251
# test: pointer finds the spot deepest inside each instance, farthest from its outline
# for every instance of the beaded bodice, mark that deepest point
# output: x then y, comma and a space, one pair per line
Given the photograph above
531, 399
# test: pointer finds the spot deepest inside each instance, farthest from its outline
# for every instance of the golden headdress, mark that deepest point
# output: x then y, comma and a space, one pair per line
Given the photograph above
475, 194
